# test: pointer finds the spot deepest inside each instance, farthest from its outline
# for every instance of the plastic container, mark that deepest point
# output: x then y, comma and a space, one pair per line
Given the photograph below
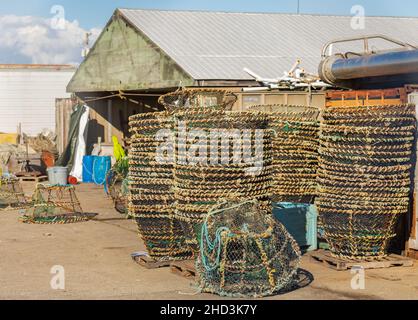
48, 159
301, 220
101, 166
88, 162
72, 180
58, 176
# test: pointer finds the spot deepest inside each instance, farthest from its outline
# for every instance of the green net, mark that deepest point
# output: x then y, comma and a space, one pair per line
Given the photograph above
245, 252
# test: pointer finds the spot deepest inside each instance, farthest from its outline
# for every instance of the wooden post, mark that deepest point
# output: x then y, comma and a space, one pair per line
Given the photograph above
109, 121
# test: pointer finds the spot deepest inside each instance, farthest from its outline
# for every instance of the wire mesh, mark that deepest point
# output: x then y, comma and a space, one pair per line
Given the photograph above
118, 189
198, 98
11, 194
245, 252
364, 176
53, 204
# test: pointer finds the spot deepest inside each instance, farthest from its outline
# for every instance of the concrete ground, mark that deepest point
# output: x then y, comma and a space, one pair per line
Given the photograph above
96, 257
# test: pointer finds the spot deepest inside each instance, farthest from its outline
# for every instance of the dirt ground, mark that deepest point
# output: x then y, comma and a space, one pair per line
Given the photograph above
96, 257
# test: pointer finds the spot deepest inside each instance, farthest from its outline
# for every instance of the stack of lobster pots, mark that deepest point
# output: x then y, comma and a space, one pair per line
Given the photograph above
295, 151
152, 199
220, 155
365, 176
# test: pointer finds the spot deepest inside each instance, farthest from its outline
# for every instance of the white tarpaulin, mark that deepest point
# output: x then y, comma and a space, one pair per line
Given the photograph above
80, 151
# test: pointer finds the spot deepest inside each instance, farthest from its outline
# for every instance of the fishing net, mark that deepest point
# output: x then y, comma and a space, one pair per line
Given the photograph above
228, 156
245, 252
53, 204
295, 151
365, 176
151, 199
11, 194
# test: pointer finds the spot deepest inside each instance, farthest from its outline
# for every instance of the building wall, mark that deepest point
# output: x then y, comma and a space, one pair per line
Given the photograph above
124, 59
28, 97
291, 98
110, 117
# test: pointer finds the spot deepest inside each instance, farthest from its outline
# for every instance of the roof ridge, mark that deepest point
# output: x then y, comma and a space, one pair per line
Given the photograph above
265, 13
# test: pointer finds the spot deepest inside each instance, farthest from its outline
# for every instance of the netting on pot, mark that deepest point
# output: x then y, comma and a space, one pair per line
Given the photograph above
151, 199
245, 252
198, 98
365, 176
55, 205
295, 151
11, 194
219, 155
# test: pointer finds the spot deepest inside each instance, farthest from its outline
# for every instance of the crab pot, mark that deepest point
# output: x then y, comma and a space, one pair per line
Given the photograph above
365, 176
222, 172
151, 199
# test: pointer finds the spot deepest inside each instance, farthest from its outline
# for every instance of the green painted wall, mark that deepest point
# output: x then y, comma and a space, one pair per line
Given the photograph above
124, 59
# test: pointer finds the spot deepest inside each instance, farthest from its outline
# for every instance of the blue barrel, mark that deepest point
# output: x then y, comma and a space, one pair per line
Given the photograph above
88, 162
101, 166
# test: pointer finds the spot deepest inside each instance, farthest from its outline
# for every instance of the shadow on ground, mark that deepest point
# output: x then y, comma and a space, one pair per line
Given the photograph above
303, 279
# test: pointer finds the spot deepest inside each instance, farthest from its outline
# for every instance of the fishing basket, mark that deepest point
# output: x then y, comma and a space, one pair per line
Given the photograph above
12, 196
365, 176
198, 98
55, 204
245, 253
295, 151
151, 188
223, 141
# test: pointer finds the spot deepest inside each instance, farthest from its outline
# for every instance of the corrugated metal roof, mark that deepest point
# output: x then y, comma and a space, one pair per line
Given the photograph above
219, 45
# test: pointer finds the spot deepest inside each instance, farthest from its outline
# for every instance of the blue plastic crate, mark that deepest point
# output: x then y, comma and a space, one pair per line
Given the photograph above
301, 220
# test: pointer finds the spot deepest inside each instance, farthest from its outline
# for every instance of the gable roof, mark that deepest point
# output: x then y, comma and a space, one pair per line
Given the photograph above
219, 45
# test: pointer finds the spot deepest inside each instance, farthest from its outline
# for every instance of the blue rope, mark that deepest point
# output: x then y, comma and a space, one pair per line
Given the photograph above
211, 245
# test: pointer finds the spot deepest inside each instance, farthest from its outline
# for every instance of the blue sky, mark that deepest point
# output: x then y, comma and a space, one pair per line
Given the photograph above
95, 13
28, 33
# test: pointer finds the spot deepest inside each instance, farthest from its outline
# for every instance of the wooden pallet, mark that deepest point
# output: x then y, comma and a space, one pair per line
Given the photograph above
185, 269
413, 254
150, 263
324, 257
33, 179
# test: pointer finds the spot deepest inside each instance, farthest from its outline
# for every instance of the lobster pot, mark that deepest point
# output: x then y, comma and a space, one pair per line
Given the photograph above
227, 155
295, 151
245, 253
364, 176
151, 199
55, 204
11, 194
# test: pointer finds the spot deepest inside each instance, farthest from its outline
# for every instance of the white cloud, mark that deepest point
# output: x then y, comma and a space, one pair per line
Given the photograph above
27, 39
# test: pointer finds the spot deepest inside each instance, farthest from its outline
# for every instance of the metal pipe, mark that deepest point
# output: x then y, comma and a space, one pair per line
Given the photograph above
385, 67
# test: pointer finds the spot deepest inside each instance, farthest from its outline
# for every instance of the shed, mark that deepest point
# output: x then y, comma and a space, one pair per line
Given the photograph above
28, 94
145, 53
